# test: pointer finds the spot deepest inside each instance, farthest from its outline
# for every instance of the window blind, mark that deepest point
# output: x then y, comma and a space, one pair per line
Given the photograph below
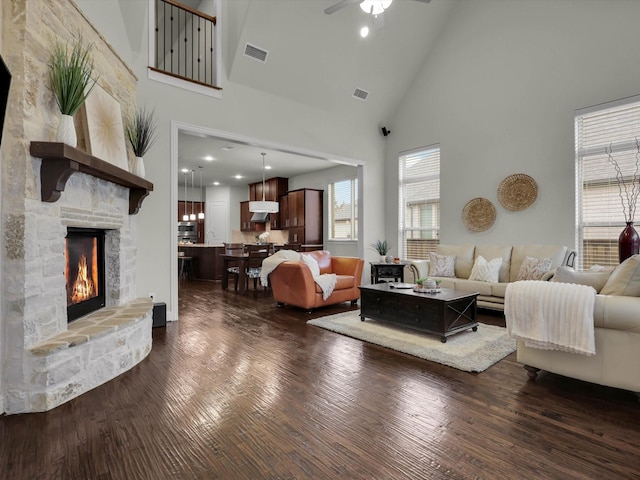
343, 212
605, 136
419, 202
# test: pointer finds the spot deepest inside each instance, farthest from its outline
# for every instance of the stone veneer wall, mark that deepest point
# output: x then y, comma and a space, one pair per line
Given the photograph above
33, 292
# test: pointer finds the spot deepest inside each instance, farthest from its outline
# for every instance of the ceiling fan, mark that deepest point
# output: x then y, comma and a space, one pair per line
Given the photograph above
374, 7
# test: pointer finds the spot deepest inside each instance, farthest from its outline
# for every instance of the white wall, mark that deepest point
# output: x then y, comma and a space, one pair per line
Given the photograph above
241, 111
498, 93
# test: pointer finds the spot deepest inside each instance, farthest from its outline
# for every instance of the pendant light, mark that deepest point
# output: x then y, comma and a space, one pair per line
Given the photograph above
264, 206
185, 217
192, 217
201, 213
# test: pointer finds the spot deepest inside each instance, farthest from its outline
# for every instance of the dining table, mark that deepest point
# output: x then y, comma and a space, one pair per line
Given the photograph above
233, 259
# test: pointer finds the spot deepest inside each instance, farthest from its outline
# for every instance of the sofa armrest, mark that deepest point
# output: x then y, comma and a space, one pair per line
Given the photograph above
419, 268
292, 282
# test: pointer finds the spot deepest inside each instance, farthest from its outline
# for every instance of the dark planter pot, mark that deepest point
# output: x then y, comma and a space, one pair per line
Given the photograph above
628, 242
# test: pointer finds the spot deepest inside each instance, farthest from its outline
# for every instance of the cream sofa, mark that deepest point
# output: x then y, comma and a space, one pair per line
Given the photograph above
491, 294
617, 332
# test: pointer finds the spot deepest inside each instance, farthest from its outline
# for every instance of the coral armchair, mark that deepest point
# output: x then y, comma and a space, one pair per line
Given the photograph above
292, 282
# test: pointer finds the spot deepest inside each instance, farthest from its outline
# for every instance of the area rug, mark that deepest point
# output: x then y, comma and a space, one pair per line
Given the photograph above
469, 351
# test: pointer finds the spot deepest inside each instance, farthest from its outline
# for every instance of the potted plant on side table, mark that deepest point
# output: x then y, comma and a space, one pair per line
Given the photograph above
382, 247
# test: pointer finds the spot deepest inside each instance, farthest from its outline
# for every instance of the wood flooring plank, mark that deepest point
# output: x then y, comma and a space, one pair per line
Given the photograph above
242, 389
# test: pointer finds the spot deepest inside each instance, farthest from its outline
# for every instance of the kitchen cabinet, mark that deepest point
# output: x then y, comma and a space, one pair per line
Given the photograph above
280, 220
246, 225
305, 216
273, 188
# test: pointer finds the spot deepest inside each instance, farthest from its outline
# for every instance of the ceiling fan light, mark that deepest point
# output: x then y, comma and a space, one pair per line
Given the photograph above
375, 7
264, 207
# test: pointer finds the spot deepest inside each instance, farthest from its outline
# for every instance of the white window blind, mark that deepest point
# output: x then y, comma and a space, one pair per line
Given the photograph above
343, 211
419, 202
603, 194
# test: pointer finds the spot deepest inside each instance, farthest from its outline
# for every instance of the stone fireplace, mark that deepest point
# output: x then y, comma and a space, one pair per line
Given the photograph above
46, 361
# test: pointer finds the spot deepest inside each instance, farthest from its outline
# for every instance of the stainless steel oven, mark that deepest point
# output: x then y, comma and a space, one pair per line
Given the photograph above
187, 232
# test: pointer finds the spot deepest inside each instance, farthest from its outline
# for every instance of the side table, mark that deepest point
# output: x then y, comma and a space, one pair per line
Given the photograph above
387, 270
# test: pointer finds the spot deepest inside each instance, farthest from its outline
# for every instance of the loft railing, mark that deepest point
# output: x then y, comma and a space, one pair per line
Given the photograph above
185, 43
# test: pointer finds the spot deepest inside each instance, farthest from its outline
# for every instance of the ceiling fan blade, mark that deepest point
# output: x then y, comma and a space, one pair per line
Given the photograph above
340, 5
423, 1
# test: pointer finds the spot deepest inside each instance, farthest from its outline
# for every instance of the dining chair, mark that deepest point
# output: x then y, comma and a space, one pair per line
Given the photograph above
254, 263
234, 268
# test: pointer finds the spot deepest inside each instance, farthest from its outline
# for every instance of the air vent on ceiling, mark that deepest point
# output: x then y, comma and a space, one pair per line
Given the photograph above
360, 94
255, 52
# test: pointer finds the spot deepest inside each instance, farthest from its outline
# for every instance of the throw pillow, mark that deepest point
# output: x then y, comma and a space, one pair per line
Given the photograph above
625, 279
595, 278
534, 268
442, 265
311, 263
486, 271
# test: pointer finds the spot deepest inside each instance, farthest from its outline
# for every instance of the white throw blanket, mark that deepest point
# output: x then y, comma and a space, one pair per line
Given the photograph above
326, 281
551, 315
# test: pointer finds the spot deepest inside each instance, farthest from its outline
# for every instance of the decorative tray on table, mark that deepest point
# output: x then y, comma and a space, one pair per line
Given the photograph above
418, 289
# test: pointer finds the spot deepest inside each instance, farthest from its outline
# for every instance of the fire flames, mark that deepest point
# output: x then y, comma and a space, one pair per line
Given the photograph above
83, 287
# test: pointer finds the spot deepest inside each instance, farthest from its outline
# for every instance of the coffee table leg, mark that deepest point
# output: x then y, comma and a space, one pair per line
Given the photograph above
362, 318
475, 329
443, 339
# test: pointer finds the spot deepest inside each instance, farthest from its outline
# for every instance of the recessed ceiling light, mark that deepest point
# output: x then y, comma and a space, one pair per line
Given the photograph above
364, 31
209, 158
185, 170
267, 167
238, 177
216, 183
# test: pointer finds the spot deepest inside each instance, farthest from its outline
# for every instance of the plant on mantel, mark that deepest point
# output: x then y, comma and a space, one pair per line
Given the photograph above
70, 74
141, 132
628, 190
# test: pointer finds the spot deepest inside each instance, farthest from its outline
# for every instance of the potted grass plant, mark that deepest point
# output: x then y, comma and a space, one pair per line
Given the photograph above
70, 74
382, 247
141, 132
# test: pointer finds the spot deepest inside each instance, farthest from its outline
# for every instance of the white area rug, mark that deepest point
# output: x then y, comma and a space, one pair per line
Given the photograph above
469, 351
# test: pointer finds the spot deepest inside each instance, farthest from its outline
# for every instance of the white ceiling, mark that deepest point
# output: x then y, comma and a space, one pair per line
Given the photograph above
317, 60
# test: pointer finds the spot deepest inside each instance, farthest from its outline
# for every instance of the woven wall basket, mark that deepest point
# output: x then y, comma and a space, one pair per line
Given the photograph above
478, 214
517, 192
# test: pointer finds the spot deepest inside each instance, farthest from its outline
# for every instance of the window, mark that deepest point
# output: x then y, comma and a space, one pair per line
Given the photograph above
343, 211
419, 202
604, 133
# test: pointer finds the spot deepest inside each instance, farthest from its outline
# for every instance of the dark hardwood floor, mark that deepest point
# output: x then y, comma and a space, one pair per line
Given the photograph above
242, 389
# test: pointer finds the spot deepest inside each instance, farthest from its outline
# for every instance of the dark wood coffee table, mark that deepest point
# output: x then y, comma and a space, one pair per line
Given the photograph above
443, 314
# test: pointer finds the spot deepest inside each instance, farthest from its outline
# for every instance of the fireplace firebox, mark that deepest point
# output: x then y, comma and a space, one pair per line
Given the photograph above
84, 271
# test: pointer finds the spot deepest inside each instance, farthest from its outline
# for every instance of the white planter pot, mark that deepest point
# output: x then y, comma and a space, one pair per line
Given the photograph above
383, 259
67, 131
139, 167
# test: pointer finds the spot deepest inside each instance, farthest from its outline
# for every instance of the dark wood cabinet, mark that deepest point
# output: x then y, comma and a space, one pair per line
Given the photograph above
246, 225
206, 261
305, 216
280, 220
273, 188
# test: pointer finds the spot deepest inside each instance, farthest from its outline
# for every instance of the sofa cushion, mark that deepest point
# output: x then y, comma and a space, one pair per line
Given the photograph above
446, 282
594, 278
499, 290
625, 279
519, 252
342, 282
483, 288
534, 268
495, 251
486, 270
441, 265
464, 257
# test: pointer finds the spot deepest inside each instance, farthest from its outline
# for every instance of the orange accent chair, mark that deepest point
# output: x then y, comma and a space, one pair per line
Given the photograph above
292, 282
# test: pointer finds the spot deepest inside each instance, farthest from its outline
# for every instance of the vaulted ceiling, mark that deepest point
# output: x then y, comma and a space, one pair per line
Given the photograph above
319, 60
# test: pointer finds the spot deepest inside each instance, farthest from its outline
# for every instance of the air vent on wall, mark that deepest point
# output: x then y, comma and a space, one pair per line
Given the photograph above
360, 94
255, 52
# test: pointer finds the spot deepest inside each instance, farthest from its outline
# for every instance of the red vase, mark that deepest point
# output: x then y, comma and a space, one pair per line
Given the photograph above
628, 242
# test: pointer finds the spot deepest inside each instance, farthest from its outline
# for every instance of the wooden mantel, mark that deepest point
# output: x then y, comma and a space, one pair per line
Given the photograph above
60, 161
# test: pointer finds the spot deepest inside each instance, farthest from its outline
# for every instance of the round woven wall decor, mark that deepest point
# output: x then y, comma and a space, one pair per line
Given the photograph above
517, 192
478, 214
